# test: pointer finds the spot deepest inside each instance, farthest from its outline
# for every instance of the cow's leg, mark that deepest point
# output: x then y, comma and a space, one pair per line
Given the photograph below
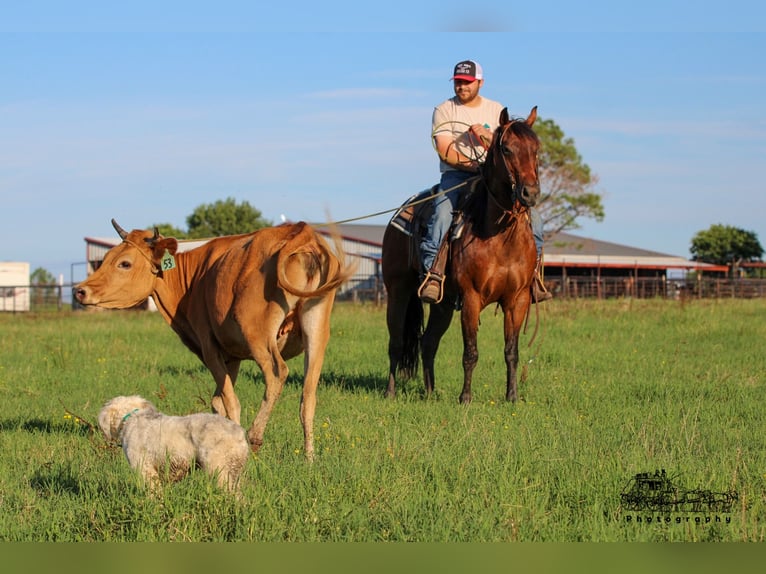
225, 401
274, 374
261, 336
469, 320
315, 325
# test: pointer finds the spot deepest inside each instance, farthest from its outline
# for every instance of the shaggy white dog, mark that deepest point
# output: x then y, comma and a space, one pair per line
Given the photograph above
162, 446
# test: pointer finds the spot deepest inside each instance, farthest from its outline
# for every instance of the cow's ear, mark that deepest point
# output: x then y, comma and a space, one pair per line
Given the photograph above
166, 243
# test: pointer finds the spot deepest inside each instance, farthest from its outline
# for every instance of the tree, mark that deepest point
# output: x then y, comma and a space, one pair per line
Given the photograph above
726, 245
568, 185
40, 277
45, 288
224, 218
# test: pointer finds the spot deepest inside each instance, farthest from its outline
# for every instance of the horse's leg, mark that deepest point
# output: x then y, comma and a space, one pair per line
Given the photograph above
513, 321
439, 320
404, 311
469, 320
404, 318
395, 323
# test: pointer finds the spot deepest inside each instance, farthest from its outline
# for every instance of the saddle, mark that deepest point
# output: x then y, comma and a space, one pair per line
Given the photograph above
412, 215
412, 219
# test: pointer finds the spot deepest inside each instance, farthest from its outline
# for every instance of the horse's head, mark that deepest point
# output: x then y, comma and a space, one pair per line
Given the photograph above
511, 166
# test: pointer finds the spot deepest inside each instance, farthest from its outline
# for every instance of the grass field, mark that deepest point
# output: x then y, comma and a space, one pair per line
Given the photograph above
609, 389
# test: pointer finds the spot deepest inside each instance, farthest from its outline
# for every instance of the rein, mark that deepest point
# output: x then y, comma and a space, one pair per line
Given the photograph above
518, 208
508, 215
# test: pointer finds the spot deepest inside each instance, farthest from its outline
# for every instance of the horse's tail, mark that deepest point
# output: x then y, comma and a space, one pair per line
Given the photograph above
413, 331
305, 246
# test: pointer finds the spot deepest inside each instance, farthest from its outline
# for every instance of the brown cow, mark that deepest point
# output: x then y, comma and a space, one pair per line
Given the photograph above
265, 296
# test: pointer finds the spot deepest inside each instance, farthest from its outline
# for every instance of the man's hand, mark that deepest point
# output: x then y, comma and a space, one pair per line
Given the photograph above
482, 135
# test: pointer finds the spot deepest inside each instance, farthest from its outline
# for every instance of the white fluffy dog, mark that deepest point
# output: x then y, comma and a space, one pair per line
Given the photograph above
162, 446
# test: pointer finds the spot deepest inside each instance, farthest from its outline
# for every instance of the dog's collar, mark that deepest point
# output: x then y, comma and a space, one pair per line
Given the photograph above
127, 416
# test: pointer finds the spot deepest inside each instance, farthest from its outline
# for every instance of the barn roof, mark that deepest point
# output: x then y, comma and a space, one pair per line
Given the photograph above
567, 249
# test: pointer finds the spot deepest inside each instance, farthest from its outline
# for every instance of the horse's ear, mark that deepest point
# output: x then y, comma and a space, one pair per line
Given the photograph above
504, 117
532, 117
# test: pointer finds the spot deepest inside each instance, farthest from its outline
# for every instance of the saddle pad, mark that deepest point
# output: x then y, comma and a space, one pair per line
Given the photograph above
410, 215
406, 216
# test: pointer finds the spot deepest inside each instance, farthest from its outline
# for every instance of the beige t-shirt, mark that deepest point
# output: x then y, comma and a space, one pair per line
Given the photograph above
453, 117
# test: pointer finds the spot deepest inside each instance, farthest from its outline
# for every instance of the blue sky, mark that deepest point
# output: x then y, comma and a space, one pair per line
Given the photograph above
144, 111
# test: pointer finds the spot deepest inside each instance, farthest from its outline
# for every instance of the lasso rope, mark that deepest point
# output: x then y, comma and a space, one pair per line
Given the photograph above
405, 206
475, 157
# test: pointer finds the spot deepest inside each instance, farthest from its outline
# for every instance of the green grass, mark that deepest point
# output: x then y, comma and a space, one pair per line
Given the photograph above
609, 389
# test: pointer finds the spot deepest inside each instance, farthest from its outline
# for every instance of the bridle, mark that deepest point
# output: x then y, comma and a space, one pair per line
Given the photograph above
518, 204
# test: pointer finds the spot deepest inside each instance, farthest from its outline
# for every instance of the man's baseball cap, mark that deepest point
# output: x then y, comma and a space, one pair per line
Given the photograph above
467, 70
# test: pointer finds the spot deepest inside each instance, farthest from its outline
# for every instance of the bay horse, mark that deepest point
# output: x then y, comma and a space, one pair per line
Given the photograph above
491, 260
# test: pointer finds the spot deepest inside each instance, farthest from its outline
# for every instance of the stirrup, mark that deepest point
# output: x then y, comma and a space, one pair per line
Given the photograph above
538, 289
431, 290
539, 292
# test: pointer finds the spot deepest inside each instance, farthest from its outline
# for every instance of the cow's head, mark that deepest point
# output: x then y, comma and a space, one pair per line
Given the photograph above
127, 276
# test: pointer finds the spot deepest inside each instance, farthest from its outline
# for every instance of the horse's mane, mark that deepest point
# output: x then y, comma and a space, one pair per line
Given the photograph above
475, 200
520, 128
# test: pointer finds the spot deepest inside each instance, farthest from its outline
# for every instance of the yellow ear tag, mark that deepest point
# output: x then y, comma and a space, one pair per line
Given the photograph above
168, 262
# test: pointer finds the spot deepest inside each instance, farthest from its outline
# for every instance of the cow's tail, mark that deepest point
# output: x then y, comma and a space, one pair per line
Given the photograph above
316, 257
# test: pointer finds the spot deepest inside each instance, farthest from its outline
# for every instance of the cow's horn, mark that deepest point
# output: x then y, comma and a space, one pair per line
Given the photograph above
120, 231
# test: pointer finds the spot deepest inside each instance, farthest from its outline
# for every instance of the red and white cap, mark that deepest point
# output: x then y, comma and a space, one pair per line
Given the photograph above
467, 70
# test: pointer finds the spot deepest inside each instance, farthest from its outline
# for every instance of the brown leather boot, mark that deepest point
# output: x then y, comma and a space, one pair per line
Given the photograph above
432, 288
539, 292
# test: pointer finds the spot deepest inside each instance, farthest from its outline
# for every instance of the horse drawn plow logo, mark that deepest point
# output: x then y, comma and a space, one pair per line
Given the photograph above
657, 492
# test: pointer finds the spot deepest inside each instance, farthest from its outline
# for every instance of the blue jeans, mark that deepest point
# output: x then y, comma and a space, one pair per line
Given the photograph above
440, 220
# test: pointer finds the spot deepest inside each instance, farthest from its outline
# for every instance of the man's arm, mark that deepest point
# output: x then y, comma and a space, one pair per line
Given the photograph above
448, 152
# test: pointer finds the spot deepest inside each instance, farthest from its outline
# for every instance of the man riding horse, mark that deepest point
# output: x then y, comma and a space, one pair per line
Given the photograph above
462, 130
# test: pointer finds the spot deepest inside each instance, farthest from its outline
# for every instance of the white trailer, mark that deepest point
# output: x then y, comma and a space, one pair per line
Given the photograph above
14, 286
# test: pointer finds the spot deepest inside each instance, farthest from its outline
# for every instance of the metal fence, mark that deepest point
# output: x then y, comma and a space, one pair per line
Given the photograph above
652, 287
23, 298
39, 298
372, 289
